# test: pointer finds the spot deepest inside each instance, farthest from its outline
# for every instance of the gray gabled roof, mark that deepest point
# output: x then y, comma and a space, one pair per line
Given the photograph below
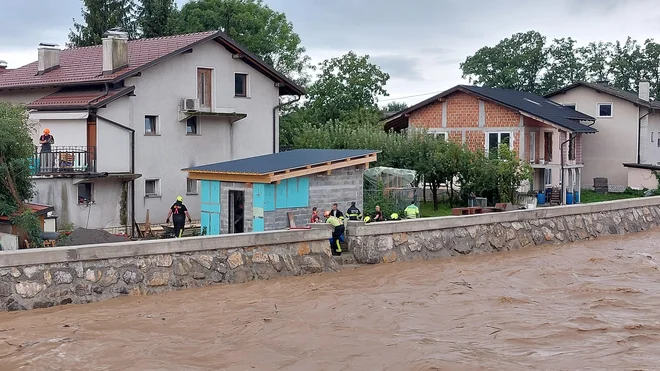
608, 89
282, 161
529, 103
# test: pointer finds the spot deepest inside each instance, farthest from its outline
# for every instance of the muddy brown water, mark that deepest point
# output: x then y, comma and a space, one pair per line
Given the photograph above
585, 306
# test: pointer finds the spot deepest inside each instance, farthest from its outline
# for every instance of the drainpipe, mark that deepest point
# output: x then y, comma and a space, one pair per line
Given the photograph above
132, 131
561, 146
275, 120
639, 137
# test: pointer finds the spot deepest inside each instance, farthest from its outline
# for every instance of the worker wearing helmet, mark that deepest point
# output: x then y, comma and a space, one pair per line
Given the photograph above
178, 212
337, 232
412, 211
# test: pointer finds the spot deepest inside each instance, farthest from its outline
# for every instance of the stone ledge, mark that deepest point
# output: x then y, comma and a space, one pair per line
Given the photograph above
426, 224
166, 246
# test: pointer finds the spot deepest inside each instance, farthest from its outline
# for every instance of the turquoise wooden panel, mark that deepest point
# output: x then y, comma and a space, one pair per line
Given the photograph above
215, 225
215, 192
258, 190
269, 197
258, 225
210, 207
258, 194
281, 195
298, 192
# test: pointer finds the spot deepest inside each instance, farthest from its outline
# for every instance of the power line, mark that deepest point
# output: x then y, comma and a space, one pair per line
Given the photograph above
409, 96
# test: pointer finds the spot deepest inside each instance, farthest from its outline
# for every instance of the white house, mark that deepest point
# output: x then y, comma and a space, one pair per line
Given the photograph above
128, 115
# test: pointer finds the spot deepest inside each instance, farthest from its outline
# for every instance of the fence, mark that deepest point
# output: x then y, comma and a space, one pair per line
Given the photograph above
67, 159
390, 200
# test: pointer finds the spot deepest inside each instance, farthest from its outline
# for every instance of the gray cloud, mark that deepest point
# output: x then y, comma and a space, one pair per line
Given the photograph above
399, 66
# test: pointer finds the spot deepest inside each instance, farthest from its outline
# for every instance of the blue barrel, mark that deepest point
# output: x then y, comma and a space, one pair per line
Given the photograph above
577, 197
540, 198
569, 198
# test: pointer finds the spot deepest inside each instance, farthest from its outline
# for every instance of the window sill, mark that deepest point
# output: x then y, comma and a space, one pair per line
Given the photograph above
192, 194
86, 203
604, 117
193, 135
151, 135
152, 196
241, 97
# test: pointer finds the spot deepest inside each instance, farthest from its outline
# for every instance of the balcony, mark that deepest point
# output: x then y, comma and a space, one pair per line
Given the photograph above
64, 160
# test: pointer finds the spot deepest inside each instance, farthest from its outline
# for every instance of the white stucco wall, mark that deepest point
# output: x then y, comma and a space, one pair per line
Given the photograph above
615, 143
652, 147
66, 132
62, 194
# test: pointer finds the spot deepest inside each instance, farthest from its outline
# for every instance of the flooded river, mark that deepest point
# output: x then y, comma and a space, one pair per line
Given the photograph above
585, 306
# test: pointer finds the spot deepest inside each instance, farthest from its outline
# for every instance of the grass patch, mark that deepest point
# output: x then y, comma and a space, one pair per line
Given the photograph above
426, 209
589, 196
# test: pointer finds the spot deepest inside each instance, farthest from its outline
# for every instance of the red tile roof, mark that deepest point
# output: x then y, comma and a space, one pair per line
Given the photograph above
85, 65
37, 208
79, 99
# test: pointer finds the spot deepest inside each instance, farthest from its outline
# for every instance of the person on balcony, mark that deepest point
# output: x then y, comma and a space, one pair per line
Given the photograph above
46, 141
178, 212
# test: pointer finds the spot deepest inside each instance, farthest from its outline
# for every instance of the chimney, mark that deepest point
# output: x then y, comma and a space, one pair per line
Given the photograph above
644, 90
115, 51
3, 66
603, 82
49, 57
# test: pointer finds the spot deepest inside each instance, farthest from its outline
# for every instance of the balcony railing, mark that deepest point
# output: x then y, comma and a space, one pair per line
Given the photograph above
63, 160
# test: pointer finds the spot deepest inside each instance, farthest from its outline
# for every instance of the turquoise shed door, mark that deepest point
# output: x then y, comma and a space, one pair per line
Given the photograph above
210, 213
258, 198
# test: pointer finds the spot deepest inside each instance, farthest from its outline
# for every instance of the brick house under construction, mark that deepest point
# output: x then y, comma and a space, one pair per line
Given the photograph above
539, 130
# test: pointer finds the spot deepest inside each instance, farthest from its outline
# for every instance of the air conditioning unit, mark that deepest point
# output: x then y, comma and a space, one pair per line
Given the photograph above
189, 104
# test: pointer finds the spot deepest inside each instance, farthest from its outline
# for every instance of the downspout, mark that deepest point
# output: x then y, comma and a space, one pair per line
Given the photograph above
561, 146
275, 149
132, 131
639, 136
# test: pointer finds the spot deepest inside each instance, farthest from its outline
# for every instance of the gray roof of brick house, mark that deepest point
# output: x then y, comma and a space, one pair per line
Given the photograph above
532, 104
275, 162
611, 90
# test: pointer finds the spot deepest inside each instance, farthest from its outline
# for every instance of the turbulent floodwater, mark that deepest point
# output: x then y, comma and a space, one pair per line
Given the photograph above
584, 306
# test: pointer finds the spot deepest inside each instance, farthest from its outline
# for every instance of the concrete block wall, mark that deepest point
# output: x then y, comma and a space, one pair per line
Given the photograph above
225, 187
342, 186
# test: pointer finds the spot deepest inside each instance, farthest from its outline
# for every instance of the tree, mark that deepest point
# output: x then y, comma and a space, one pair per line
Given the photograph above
565, 65
158, 18
514, 63
99, 17
263, 31
393, 107
16, 150
345, 84
511, 173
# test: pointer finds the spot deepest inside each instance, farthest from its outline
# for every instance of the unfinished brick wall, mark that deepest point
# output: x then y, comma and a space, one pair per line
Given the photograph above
462, 111
427, 117
500, 116
475, 140
455, 136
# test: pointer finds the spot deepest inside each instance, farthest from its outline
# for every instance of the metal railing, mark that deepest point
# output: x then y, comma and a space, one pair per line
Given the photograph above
64, 159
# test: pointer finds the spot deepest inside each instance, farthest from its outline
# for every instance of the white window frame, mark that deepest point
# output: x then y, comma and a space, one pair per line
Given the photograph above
91, 193
499, 139
602, 104
197, 122
570, 104
157, 125
532, 147
156, 188
247, 85
189, 191
546, 172
436, 132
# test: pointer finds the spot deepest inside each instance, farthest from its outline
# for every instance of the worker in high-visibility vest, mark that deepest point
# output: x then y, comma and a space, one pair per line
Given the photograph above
353, 212
411, 211
337, 232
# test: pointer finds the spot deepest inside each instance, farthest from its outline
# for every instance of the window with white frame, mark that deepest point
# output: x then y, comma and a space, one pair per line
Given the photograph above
495, 139
241, 85
547, 177
532, 147
604, 109
572, 106
435, 133
150, 125
152, 187
192, 126
192, 186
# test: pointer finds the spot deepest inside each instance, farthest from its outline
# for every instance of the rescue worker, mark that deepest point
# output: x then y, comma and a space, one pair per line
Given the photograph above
394, 216
315, 216
378, 215
337, 232
178, 212
412, 211
46, 157
336, 212
353, 212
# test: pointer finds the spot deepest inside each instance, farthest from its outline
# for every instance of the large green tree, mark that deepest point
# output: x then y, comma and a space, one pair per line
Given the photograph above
98, 17
158, 18
16, 152
263, 31
345, 85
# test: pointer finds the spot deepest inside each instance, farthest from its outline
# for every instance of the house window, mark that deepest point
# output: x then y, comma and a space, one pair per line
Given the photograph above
652, 138
204, 87
437, 134
85, 193
150, 125
240, 84
191, 126
151, 188
604, 109
547, 136
192, 186
495, 139
547, 177
571, 149
572, 106
532, 147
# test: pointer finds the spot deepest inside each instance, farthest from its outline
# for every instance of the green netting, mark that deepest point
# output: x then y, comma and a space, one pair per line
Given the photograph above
389, 177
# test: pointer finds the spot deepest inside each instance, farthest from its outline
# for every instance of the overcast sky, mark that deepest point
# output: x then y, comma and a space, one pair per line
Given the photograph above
420, 43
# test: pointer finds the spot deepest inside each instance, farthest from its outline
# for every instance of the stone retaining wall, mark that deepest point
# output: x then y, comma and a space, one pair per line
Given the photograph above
476, 234
82, 274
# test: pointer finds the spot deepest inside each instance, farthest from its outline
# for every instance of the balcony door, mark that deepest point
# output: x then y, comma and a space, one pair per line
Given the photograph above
204, 88
91, 140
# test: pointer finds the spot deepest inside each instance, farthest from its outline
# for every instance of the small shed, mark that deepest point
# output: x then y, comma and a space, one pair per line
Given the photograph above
256, 194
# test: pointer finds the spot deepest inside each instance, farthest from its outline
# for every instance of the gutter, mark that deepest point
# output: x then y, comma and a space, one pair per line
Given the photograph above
561, 146
275, 149
132, 131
